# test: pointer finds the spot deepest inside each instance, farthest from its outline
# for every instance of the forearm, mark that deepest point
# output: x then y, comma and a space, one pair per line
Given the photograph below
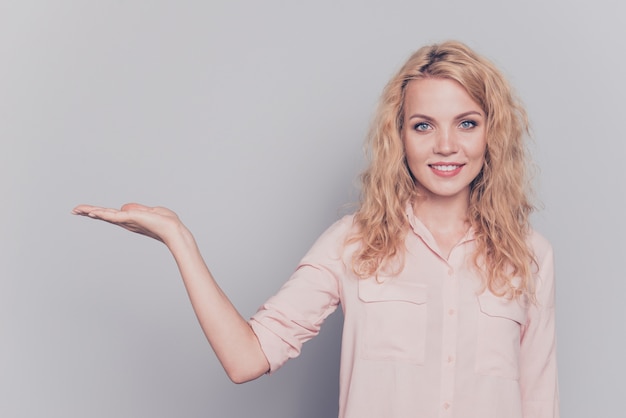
229, 334
232, 339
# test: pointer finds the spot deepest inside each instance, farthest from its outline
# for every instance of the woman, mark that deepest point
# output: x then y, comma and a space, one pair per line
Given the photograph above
447, 293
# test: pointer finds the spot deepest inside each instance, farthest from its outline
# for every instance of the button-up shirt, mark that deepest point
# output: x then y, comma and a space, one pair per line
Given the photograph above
427, 342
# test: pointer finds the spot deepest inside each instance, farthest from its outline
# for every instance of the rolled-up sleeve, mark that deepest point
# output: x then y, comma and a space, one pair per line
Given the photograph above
538, 366
295, 314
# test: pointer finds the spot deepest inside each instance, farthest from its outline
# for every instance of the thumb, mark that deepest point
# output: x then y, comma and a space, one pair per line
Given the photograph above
134, 206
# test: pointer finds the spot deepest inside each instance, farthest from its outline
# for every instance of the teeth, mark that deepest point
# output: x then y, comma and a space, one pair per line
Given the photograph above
445, 167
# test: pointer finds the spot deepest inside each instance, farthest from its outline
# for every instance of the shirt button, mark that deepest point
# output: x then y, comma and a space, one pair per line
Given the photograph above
450, 359
451, 312
446, 405
450, 271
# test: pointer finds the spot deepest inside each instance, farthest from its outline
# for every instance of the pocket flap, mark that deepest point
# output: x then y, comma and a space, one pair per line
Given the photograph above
392, 290
502, 307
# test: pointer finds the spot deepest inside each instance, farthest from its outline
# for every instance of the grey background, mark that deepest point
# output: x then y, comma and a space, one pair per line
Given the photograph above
248, 118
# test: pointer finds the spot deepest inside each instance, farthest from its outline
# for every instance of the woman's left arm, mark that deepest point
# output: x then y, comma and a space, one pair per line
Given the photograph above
538, 365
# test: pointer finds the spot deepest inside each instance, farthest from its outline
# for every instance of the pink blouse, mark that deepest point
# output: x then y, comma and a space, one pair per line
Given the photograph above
422, 343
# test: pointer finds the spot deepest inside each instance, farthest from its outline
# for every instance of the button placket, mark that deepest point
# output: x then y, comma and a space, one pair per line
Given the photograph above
450, 290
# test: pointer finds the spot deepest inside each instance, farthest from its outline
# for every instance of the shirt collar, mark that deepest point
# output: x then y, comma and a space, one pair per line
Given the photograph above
424, 233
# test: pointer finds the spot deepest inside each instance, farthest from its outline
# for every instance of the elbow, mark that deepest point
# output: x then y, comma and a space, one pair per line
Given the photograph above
242, 376
242, 366
238, 380
244, 371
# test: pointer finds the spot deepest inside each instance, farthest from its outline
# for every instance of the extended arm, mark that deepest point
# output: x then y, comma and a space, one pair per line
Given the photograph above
230, 336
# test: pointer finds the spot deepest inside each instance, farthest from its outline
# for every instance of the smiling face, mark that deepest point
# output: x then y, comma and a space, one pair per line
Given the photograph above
444, 138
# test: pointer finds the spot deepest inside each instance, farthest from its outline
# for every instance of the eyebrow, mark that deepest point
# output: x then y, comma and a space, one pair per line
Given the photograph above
461, 116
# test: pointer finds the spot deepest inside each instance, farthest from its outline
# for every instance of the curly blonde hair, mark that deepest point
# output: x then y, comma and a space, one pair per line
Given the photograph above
499, 205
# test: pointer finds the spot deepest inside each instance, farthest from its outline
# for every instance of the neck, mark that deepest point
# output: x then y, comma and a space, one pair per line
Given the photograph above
443, 215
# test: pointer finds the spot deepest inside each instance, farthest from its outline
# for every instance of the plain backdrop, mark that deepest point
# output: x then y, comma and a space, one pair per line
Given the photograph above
248, 119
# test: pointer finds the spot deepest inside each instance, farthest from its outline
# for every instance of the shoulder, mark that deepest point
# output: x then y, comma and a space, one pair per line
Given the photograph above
340, 229
332, 243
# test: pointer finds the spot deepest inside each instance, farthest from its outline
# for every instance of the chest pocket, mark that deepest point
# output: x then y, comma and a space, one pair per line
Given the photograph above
395, 318
500, 321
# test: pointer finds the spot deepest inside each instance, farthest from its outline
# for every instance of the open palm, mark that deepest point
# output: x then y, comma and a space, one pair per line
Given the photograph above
154, 222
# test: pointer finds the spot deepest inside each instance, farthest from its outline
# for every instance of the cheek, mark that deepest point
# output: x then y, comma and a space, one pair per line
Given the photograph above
413, 149
478, 150
412, 160
479, 158
408, 154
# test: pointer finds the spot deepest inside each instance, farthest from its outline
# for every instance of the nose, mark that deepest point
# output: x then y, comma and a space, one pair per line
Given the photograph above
445, 143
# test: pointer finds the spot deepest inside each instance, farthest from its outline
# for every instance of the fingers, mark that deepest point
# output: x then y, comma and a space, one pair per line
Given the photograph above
132, 216
87, 210
130, 212
110, 215
84, 209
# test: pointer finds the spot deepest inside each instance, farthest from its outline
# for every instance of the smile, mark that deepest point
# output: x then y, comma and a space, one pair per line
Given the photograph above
447, 167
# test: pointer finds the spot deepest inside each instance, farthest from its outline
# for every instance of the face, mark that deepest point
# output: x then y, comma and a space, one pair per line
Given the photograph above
444, 138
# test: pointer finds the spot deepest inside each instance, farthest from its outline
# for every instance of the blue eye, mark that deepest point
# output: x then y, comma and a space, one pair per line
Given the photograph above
467, 124
422, 126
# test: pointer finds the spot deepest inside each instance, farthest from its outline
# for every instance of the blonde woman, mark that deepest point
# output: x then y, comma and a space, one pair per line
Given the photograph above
447, 292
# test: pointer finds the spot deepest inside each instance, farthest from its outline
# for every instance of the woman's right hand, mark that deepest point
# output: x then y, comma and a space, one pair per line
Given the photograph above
232, 339
154, 222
